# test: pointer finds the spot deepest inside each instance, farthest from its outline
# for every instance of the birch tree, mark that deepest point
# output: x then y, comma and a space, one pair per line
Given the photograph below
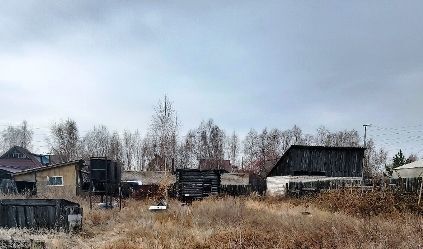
233, 148
251, 149
374, 159
96, 143
128, 150
187, 151
64, 140
210, 141
17, 136
163, 131
115, 147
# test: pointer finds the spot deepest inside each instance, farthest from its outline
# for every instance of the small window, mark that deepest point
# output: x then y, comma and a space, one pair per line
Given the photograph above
18, 155
55, 181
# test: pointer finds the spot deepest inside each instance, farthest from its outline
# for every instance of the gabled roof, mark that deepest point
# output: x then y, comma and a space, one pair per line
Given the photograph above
17, 164
49, 167
324, 147
21, 150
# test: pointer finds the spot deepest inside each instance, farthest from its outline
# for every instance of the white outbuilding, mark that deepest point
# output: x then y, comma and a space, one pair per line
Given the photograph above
410, 170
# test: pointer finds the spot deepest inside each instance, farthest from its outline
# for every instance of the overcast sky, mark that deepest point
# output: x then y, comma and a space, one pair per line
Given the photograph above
246, 64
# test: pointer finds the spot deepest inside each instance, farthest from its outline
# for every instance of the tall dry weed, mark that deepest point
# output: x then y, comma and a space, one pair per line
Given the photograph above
240, 223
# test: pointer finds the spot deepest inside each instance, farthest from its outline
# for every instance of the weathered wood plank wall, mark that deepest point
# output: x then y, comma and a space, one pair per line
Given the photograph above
320, 161
197, 184
37, 213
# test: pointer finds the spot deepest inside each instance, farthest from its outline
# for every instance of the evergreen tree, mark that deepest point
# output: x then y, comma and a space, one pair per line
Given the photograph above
398, 160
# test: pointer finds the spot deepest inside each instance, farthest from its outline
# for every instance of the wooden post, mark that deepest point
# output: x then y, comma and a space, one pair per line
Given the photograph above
165, 181
420, 194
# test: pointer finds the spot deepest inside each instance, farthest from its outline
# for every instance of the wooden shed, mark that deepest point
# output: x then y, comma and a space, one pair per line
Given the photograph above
301, 160
313, 165
197, 184
63, 178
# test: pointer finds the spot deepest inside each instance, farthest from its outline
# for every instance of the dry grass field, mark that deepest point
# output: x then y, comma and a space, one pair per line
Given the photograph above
240, 223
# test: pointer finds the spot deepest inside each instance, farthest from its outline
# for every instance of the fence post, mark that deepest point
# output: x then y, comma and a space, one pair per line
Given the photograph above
420, 194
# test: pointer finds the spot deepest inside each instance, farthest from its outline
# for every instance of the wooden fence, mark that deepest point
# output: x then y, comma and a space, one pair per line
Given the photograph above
40, 213
406, 185
242, 190
236, 190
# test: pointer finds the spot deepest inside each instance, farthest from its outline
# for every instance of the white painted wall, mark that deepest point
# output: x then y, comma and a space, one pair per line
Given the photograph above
276, 185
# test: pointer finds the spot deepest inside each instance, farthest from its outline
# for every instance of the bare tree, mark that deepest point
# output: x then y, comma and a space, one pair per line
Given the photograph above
297, 135
115, 148
293, 136
138, 151
412, 158
64, 140
128, 150
163, 131
286, 138
210, 141
17, 136
233, 148
260, 148
147, 152
187, 151
346, 138
323, 137
263, 145
308, 139
251, 149
96, 142
374, 159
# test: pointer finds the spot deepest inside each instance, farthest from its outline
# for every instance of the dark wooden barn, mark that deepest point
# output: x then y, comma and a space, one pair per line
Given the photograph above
194, 184
301, 160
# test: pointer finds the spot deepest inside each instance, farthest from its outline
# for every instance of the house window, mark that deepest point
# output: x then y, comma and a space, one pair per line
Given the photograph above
55, 180
18, 155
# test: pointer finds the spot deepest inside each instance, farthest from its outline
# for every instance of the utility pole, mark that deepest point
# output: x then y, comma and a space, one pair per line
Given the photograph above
365, 133
365, 156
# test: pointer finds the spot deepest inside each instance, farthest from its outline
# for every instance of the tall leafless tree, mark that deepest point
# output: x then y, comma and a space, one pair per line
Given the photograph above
187, 151
115, 148
96, 142
233, 149
346, 138
128, 150
163, 132
147, 152
251, 150
64, 140
374, 159
17, 135
138, 152
210, 141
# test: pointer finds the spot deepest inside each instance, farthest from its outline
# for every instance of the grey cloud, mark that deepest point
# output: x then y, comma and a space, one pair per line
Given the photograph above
244, 63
